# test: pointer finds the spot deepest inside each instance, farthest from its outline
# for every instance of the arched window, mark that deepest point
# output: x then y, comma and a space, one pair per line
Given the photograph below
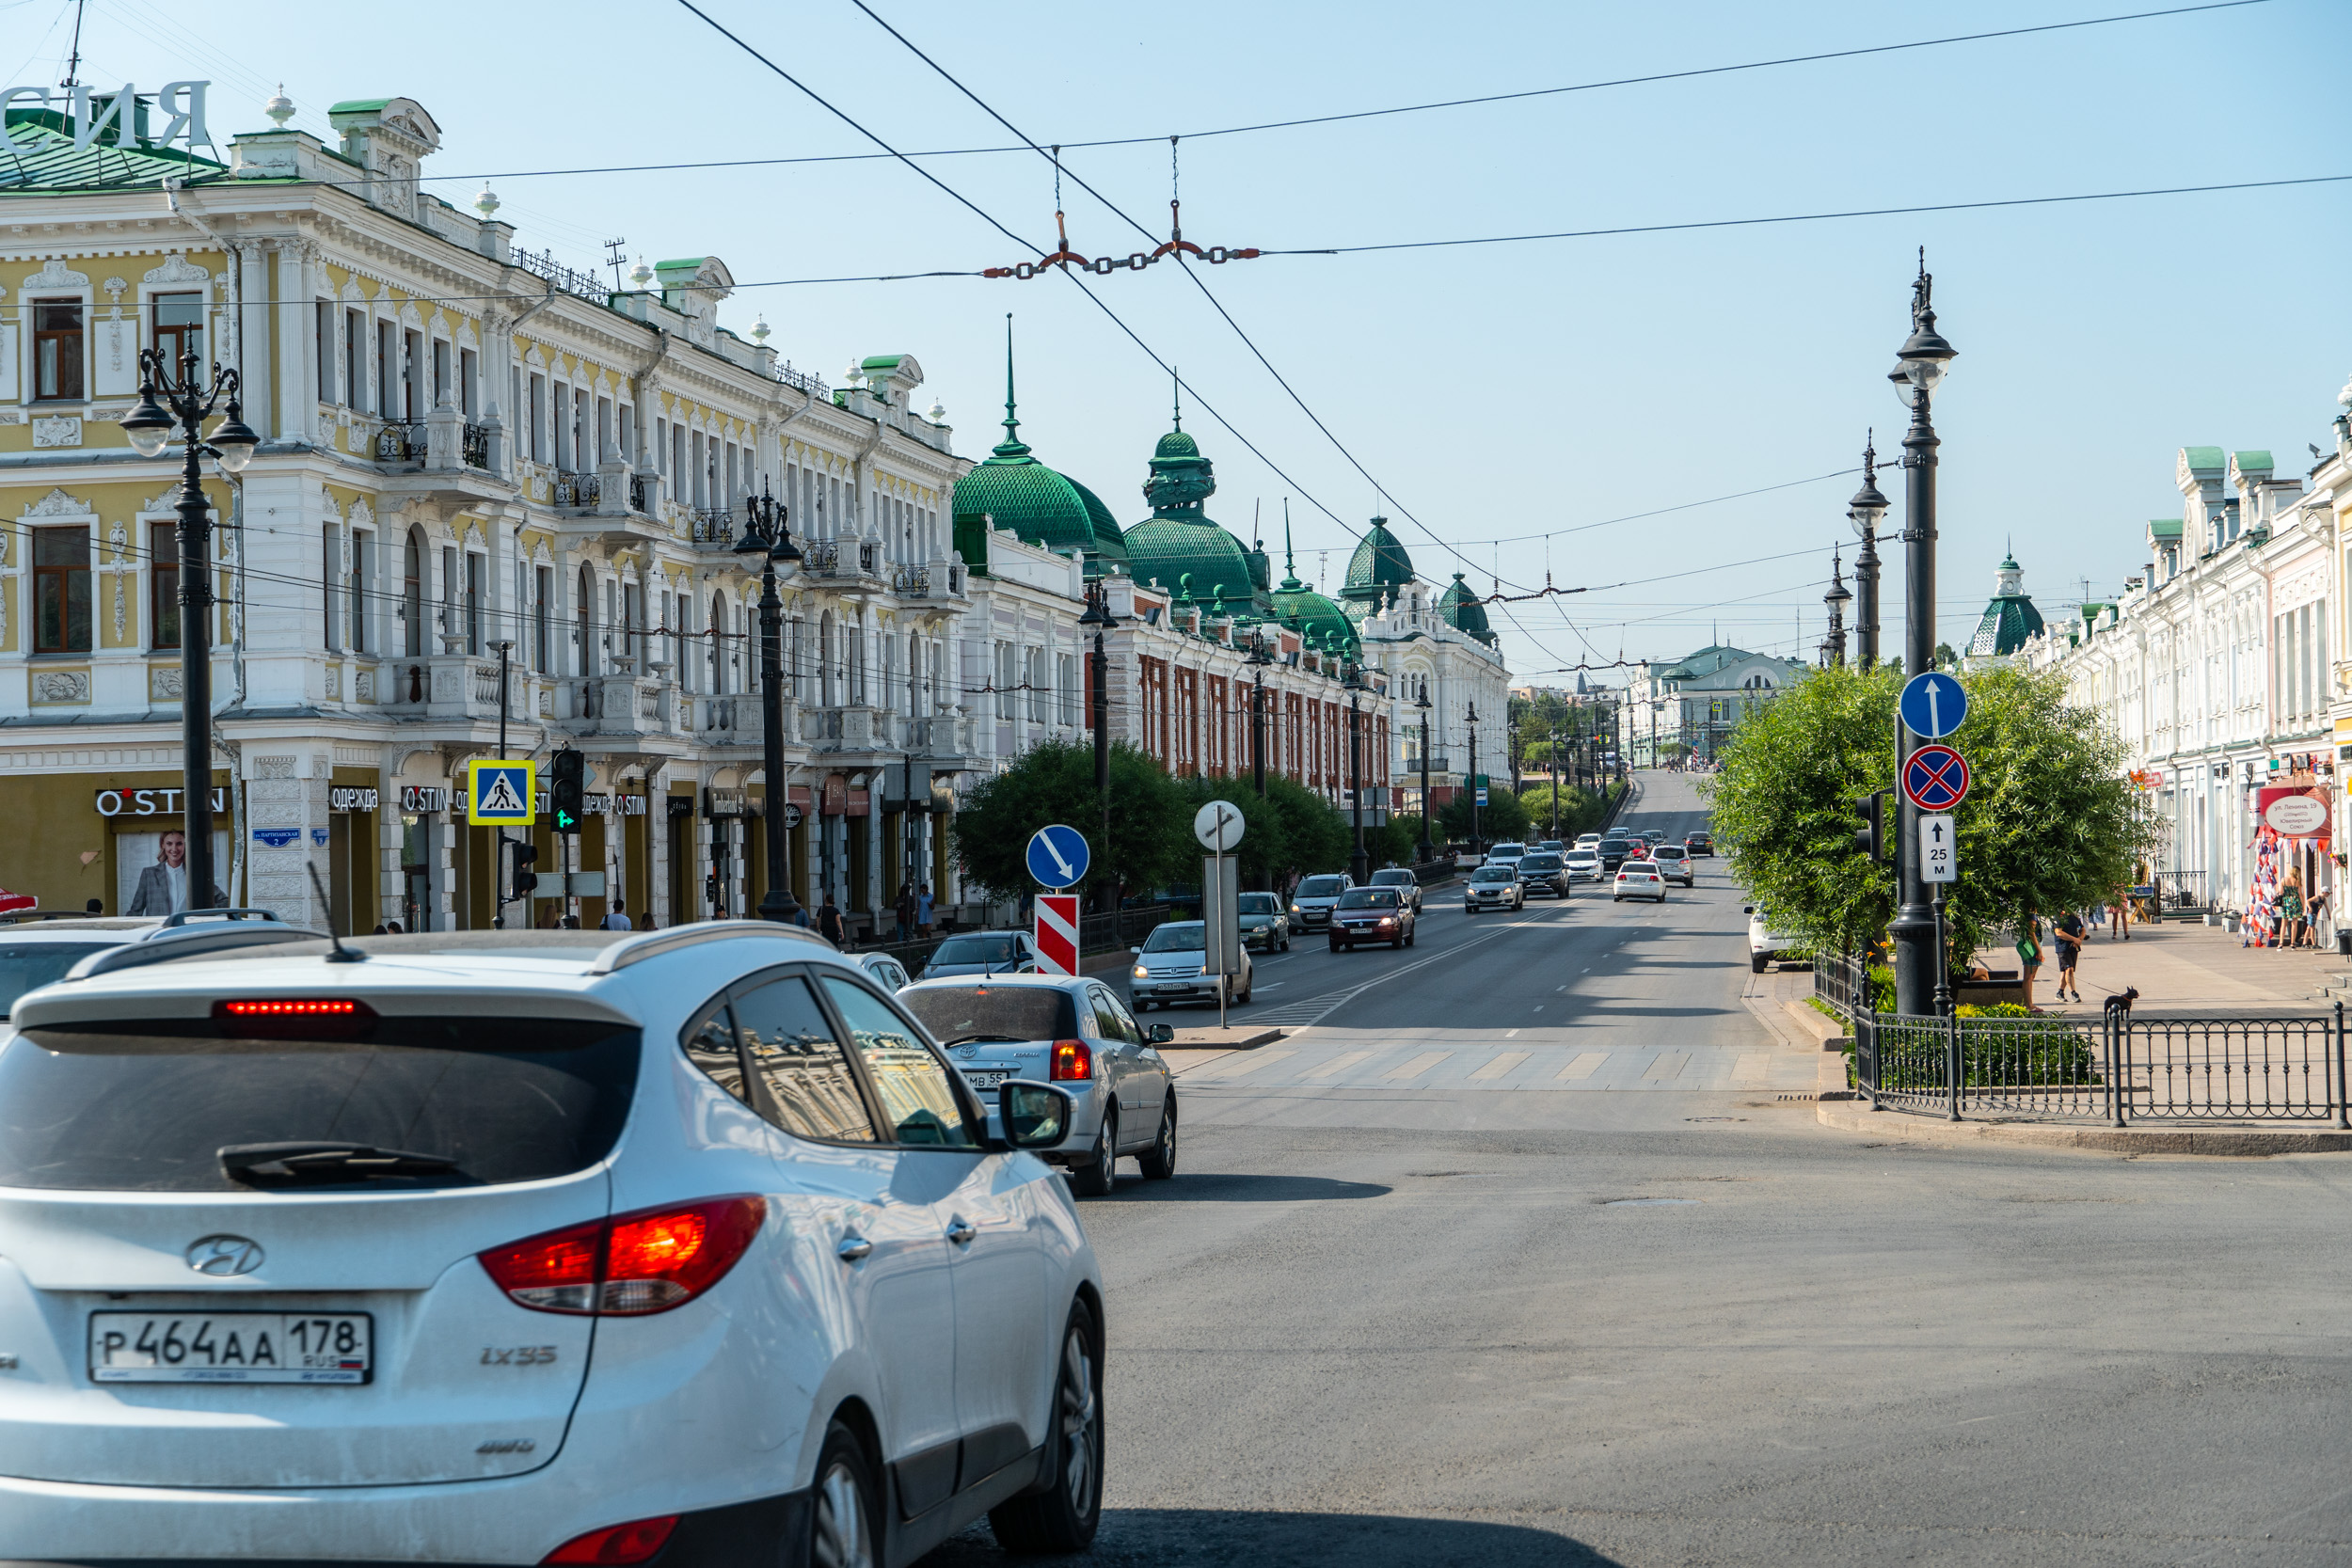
587, 585
412, 593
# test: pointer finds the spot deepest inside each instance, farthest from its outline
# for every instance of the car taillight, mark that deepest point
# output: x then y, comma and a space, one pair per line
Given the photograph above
628, 1266
616, 1545
1072, 1059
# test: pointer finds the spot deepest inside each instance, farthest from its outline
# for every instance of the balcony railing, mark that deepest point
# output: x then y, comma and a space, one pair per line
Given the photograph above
711, 525
399, 442
813, 384
913, 582
474, 449
638, 499
573, 490
587, 285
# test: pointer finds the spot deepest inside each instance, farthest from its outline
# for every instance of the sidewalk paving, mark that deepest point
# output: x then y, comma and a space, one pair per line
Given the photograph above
2180, 964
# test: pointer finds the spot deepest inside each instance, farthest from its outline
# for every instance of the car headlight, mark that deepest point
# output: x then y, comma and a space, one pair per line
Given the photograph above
1142, 974
1386, 920
1294, 909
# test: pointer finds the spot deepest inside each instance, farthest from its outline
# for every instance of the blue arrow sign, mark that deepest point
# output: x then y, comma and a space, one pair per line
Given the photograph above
1934, 704
1058, 856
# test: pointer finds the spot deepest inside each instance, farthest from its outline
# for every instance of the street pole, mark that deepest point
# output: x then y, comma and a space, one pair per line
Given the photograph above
1555, 784
1259, 659
498, 847
1359, 863
1919, 366
767, 535
1472, 777
1098, 615
1863, 511
186, 403
1428, 851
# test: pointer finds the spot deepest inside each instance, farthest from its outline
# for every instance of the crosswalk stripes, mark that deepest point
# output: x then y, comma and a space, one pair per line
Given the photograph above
1255, 1061
1501, 1065
1344, 1060
1586, 1064
1668, 1064
1418, 1065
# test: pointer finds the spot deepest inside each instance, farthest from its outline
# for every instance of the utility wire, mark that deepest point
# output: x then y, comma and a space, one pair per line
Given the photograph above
1371, 114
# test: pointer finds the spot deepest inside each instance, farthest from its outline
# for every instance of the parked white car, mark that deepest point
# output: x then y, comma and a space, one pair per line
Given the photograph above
304, 1259
1765, 945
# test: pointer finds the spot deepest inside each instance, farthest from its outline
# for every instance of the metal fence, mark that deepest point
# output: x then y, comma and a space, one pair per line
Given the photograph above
2113, 1068
1843, 981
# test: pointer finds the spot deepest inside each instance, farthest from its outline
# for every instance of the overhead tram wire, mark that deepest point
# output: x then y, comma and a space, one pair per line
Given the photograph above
961, 200
1218, 305
1374, 114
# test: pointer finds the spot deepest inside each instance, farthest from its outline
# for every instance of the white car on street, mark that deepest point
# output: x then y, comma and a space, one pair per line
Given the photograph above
1765, 945
517, 1247
1674, 861
1638, 879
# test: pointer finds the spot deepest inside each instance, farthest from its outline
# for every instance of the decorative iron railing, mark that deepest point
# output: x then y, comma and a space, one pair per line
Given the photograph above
813, 384
638, 498
575, 490
711, 525
586, 285
400, 441
473, 447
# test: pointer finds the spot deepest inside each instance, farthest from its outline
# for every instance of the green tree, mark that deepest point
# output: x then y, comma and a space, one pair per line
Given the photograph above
1579, 810
2050, 821
1500, 820
1316, 833
1150, 830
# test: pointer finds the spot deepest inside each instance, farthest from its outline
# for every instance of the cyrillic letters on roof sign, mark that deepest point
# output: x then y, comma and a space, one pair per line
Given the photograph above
183, 101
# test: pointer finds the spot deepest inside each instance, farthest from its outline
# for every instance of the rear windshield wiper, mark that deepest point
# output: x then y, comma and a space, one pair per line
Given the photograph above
985, 1039
323, 1160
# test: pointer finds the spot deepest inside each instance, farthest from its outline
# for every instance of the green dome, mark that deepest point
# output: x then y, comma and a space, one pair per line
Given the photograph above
1303, 610
1108, 541
1019, 493
1180, 540
1460, 609
1379, 569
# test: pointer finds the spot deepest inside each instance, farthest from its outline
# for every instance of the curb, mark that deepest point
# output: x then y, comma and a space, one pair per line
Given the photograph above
1857, 1117
1813, 1021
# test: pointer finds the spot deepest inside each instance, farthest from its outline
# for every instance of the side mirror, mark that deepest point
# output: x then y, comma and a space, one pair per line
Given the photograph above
1137, 950
1161, 1034
1747, 909
1034, 1116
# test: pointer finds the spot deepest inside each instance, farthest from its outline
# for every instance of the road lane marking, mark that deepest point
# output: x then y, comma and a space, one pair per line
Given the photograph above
1418, 1065
1502, 1064
1585, 1065
1508, 1033
1219, 1072
1668, 1066
1322, 1070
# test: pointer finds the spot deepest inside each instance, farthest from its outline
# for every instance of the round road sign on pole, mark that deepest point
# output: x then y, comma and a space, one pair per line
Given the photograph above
1218, 826
1936, 778
1934, 704
1057, 856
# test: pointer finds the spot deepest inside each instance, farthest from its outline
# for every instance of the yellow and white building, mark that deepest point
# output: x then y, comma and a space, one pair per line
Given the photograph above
464, 444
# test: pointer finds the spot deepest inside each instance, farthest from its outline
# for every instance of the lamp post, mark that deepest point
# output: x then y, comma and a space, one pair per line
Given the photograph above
1359, 863
1260, 656
501, 885
766, 535
186, 401
1834, 648
1471, 720
1428, 852
1098, 616
1863, 511
1920, 366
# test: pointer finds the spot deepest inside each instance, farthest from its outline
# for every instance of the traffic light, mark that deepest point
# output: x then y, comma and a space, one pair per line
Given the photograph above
525, 878
568, 789
1870, 839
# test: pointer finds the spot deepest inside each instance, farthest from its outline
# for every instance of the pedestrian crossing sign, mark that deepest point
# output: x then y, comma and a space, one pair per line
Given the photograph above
500, 794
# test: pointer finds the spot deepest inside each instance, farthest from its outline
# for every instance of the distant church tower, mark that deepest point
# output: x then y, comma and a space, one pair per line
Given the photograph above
2007, 622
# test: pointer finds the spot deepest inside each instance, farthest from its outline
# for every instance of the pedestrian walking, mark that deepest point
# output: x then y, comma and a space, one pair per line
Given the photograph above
2029, 952
2318, 918
829, 923
2068, 929
906, 912
925, 909
615, 919
2120, 907
645, 922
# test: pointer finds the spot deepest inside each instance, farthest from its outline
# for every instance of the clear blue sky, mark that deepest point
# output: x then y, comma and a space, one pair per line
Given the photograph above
1494, 391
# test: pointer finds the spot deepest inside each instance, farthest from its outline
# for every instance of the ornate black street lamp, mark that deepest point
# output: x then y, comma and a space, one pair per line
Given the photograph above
1863, 511
1261, 654
1359, 863
1834, 646
766, 535
173, 399
1920, 366
1428, 852
1098, 616
1471, 720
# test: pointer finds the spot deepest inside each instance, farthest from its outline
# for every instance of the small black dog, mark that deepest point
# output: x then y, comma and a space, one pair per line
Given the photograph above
2122, 1002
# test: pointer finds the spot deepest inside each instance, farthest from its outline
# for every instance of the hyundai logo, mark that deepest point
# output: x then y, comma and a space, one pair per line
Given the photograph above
221, 1255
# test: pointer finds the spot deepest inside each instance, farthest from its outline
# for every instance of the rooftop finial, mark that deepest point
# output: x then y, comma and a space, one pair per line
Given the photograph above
1011, 424
1177, 389
281, 109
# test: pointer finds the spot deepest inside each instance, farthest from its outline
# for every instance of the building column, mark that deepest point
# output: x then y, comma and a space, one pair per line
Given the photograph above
253, 340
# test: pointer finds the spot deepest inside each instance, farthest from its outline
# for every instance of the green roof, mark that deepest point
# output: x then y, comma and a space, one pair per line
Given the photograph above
1107, 539
2252, 462
52, 163
2201, 457
359, 105
1179, 546
1378, 569
1023, 495
1460, 609
2165, 528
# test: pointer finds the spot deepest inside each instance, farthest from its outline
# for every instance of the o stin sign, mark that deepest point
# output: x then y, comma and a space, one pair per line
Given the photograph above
149, 802
183, 101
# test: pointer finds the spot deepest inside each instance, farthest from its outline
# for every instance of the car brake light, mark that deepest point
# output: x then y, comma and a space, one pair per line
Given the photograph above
293, 1006
630, 1265
616, 1545
1072, 1060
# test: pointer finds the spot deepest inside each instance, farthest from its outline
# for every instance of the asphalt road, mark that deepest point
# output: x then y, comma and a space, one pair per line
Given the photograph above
1652, 1315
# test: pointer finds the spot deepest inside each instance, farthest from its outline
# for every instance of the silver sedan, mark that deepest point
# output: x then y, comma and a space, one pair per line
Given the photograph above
1072, 1032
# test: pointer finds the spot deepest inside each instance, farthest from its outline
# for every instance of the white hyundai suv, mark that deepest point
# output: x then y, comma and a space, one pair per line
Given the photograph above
523, 1247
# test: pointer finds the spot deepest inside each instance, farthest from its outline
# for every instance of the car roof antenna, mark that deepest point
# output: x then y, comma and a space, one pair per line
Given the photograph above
341, 955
